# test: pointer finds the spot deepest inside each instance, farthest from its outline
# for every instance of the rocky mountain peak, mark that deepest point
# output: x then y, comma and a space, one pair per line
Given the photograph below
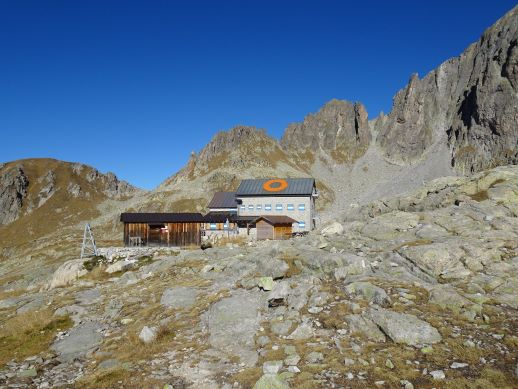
240, 148
234, 139
340, 128
469, 102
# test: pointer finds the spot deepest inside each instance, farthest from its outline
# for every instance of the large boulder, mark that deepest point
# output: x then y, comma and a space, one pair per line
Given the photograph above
333, 228
437, 259
67, 273
362, 325
271, 267
148, 334
368, 291
403, 327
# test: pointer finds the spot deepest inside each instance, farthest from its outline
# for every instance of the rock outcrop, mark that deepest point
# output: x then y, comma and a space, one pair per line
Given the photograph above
340, 128
13, 191
470, 102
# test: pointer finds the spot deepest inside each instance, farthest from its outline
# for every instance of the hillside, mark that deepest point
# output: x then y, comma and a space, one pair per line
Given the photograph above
45, 204
410, 279
411, 291
458, 119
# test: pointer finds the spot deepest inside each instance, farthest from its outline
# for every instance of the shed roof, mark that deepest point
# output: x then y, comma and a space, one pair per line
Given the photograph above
295, 187
223, 200
179, 217
276, 219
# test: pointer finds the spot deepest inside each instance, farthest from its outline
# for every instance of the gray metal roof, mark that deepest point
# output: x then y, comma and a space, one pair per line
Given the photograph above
223, 200
296, 187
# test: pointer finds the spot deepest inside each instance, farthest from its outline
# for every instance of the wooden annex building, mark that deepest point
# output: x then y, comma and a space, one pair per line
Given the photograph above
162, 229
274, 227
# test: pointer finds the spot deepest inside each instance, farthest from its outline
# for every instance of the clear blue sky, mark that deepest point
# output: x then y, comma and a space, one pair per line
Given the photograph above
134, 87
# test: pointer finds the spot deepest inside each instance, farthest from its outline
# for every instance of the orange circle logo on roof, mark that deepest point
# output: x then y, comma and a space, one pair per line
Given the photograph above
275, 185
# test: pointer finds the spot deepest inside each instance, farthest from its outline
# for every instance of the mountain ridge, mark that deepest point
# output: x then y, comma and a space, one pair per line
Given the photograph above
438, 126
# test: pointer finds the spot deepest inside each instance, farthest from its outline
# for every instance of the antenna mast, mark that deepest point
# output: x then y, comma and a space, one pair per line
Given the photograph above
88, 248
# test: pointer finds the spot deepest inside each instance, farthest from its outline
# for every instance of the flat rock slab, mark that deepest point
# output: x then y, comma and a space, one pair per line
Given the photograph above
32, 305
88, 296
80, 341
437, 258
270, 381
179, 297
404, 328
233, 322
75, 311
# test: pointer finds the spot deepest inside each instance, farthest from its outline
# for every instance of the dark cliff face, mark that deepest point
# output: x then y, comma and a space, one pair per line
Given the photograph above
470, 102
339, 128
13, 191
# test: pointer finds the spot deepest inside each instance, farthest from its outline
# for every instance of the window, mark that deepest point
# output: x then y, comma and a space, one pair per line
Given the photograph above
302, 225
225, 226
302, 207
278, 207
242, 207
267, 207
259, 206
250, 207
290, 207
213, 226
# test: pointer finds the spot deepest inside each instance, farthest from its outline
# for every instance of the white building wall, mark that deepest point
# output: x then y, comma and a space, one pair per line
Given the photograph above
297, 214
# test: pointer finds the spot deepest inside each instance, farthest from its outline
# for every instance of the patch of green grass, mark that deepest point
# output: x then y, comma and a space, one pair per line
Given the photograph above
29, 334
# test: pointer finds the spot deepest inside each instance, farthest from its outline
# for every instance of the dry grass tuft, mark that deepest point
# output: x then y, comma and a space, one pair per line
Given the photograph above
117, 378
480, 196
247, 377
11, 293
239, 240
293, 269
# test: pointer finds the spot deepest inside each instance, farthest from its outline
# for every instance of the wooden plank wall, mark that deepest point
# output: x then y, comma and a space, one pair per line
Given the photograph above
184, 234
264, 230
282, 231
135, 230
180, 234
